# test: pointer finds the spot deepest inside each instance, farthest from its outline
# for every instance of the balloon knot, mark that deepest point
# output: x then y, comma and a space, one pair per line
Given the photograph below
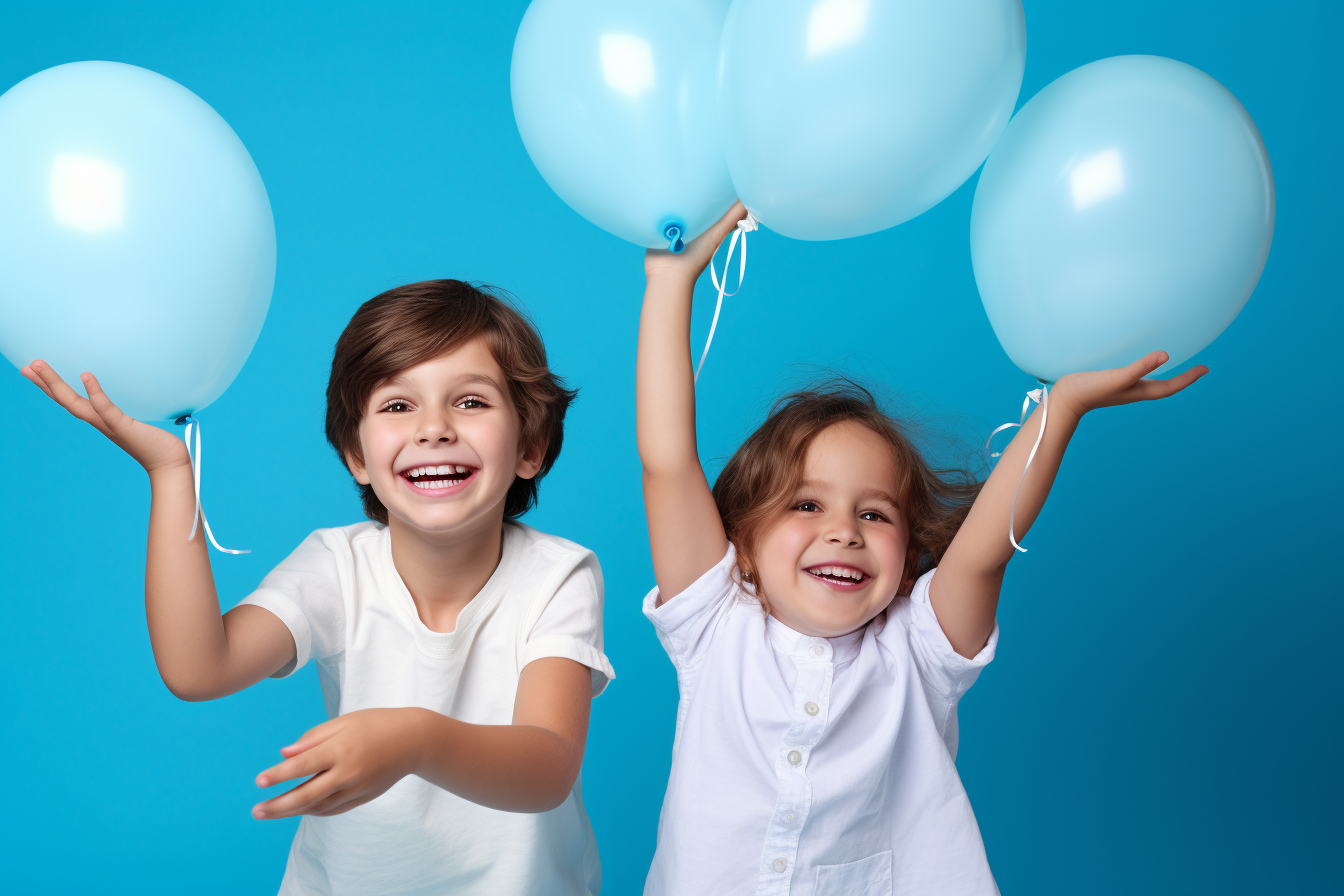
672, 233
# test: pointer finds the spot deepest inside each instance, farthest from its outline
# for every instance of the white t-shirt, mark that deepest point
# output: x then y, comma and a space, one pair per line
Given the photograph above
347, 607
813, 766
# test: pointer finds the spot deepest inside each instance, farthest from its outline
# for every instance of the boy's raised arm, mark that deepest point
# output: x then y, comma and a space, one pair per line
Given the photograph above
200, 654
685, 533
965, 589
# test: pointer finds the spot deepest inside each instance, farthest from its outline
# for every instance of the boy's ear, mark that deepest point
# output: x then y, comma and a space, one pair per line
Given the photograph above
356, 467
530, 458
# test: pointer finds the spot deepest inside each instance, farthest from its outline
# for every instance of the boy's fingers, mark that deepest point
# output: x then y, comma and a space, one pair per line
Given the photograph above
312, 737
340, 802
294, 802
302, 765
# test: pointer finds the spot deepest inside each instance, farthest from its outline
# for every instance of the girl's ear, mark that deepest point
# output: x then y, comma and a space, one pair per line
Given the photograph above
530, 458
356, 467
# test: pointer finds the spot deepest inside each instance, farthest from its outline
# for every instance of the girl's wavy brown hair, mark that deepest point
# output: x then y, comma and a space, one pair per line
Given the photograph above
762, 476
406, 326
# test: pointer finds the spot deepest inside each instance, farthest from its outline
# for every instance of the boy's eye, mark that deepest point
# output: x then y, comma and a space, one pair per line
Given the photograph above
807, 506
397, 406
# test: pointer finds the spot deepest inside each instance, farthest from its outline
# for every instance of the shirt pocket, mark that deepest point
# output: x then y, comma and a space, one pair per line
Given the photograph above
866, 877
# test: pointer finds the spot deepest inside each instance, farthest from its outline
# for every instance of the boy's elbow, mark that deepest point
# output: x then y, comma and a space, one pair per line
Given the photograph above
190, 690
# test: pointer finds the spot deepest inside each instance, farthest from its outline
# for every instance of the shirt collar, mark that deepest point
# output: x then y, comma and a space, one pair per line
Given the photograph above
806, 647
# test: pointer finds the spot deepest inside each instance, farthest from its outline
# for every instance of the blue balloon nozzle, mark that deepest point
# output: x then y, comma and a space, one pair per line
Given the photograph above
673, 233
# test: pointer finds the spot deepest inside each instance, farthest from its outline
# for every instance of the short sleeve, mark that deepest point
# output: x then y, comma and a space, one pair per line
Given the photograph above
942, 668
570, 624
687, 622
304, 592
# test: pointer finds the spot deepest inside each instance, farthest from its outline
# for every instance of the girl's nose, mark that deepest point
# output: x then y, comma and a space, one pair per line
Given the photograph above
844, 534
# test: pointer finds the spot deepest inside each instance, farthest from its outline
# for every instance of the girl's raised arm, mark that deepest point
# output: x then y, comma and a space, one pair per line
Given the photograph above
965, 589
200, 654
685, 532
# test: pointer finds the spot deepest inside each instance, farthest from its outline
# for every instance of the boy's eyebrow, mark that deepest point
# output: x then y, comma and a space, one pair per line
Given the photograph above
481, 378
467, 380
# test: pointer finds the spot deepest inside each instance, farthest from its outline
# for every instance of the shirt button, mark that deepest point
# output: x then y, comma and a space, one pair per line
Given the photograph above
818, 650
812, 708
790, 817
795, 757
779, 865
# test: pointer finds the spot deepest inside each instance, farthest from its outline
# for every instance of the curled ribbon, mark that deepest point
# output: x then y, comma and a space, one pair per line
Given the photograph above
1042, 397
194, 425
745, 226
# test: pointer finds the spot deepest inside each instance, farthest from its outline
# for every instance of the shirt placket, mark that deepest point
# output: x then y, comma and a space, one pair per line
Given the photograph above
811, 700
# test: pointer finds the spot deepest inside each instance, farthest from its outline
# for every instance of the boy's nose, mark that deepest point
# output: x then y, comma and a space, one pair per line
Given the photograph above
435, 429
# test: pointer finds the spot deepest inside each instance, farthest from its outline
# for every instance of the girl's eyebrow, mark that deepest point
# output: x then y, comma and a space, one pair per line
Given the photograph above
866, 494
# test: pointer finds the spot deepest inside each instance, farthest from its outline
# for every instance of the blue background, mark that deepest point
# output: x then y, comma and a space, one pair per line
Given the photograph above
1164, 712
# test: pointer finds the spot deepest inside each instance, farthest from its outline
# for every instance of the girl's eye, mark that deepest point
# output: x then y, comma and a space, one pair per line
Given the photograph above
807, 506
397, 406
471, 403
872, 516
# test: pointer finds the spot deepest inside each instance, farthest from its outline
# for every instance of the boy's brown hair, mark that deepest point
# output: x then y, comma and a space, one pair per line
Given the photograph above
419, 322
763, 474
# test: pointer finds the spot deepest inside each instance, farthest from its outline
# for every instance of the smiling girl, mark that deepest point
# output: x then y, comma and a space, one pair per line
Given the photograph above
457, 649
825, 606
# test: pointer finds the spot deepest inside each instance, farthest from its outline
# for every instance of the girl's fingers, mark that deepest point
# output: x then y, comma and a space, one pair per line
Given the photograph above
31, 375
111, 414
1162, 388
298, 800
1144, 366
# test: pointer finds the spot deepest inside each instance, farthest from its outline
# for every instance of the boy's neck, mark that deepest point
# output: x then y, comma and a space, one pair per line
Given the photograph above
444, 572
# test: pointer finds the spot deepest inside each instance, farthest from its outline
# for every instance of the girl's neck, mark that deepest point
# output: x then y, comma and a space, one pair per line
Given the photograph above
443, 573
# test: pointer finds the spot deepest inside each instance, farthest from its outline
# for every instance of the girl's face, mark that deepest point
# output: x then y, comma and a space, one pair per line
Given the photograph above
835, 557
441, 444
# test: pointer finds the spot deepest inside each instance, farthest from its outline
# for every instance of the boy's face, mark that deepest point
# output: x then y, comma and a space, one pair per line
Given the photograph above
836, 556
441, 443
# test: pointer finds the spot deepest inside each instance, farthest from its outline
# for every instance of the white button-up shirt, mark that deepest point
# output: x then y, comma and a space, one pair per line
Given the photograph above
813, 766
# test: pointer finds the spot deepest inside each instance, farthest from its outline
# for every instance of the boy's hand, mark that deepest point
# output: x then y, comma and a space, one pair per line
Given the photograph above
692, 260
153, 448
352, 759
1083, 392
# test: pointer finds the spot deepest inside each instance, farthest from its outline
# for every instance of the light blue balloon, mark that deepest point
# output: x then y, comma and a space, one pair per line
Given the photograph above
136, 239
1128, 208
615, 102
845, 117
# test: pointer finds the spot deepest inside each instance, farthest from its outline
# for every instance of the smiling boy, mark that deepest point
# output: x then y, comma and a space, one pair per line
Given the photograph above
457, 650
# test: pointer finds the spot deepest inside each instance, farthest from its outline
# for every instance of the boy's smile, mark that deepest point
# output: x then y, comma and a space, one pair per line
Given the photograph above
440, 444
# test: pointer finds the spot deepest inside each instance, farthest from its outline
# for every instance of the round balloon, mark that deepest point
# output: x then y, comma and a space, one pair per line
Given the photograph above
1128, 208
845, 117
615, 101
136, 239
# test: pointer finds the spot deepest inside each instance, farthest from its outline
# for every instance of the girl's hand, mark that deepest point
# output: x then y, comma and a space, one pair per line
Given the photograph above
691, 262
153, 448
1083, 392
352, 759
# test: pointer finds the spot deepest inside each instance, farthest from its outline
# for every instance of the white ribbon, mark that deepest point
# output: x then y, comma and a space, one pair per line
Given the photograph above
1042, 397
193, 424
745, 226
